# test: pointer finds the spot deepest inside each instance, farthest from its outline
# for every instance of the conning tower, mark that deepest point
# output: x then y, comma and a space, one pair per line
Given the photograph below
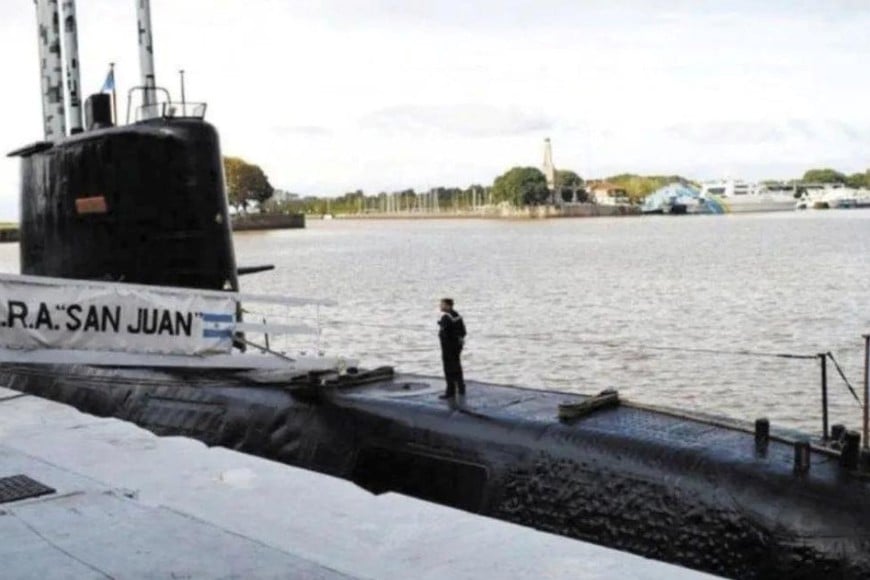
143, 202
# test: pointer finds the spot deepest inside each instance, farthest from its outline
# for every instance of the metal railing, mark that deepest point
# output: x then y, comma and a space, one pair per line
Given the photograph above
161, 106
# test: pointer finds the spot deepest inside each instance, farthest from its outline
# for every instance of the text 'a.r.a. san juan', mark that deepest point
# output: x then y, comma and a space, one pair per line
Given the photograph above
98, 319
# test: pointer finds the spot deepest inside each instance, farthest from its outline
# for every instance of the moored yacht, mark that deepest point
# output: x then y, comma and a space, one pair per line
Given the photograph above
832, 196
737, 196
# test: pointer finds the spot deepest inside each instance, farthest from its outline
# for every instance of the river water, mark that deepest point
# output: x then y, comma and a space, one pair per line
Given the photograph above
587, 304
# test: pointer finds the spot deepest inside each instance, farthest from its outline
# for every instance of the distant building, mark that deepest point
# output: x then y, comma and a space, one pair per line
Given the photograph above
281, 195
606, 193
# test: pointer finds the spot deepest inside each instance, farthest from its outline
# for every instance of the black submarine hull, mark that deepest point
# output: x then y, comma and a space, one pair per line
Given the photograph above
688, 490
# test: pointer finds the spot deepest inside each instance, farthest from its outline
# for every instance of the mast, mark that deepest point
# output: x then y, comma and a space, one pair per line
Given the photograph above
51, 69
146, 54
71, 58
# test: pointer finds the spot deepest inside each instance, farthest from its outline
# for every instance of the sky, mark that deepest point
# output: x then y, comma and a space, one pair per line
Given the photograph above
330, 96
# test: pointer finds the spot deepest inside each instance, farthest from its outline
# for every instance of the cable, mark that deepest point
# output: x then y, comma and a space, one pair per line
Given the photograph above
843, 376
699, 350
611, 344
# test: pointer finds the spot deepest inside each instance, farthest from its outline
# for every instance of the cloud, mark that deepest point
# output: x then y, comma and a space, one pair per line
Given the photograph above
302, 130
461, 120
768, 132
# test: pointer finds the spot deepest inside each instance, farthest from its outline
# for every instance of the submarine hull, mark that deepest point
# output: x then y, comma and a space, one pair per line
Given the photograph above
676, 488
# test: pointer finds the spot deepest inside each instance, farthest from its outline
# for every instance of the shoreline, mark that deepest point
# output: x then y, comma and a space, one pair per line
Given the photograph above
584, 210
9, 234
251, 222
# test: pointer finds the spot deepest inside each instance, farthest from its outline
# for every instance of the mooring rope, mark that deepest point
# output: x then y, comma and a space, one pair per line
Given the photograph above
689, 349
604, 343
830, 355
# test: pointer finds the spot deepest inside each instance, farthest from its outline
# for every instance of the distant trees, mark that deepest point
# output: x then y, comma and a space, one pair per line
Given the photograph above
246, 182
638, 187
570, 186
567, 178
859, 180
824, 176
521, 186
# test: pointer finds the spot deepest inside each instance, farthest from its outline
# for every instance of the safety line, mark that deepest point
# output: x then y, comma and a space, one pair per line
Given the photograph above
843, 376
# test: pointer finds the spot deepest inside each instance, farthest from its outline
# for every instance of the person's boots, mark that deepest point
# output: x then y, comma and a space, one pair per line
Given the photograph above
449, 393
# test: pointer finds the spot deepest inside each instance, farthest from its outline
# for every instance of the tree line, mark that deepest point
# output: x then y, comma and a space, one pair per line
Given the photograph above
518, 186
832, 176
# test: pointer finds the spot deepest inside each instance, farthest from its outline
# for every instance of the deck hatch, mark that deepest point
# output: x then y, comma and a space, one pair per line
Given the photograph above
18, 487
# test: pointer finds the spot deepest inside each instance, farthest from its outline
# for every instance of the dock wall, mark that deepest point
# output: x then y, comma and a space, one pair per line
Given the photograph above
268, 222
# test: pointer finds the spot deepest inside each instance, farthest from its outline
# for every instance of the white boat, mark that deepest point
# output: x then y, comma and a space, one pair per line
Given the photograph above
832, 196
737, 196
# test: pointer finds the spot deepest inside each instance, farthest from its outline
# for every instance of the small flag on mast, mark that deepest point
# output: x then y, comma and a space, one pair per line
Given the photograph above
109, 84
109, 87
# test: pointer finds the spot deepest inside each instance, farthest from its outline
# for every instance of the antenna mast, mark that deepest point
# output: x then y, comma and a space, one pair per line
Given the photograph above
73, 74
51, 69
146, 55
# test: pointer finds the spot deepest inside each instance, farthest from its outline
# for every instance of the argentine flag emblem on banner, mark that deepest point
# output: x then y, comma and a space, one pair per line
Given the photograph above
217, 325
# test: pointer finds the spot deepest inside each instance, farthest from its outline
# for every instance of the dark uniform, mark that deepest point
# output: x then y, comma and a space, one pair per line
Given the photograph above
452, 335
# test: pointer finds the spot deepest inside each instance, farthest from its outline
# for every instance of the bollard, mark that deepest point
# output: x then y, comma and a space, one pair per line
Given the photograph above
866, 388
823, 359
762, 434
801, 457
864, 460
838, 431
851, 447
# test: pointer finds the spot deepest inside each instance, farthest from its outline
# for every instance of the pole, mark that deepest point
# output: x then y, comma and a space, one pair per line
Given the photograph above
183, 98
114, 94
146, 53
73, 73
866, 387
823, 358
51, 70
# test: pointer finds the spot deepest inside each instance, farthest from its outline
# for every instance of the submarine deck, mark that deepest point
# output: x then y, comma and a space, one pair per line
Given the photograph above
130, 504
673, 429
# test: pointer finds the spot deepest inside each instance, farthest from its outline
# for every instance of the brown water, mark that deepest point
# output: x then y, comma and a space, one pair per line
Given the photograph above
584, 305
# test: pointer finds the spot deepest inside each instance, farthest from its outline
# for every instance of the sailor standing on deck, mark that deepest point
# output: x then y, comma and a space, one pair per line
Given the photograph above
451, 332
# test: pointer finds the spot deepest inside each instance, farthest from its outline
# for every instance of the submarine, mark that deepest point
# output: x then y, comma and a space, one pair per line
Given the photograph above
142, 204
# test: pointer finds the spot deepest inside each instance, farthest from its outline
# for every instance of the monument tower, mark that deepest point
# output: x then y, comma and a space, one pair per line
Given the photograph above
550, 171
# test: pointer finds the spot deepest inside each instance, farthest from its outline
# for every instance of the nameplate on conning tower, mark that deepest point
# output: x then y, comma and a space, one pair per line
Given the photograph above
51, 313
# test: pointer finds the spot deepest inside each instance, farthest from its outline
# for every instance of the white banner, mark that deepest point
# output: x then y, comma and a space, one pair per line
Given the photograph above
100, 316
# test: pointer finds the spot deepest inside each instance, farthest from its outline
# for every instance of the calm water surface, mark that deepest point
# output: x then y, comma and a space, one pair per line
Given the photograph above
583, 305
